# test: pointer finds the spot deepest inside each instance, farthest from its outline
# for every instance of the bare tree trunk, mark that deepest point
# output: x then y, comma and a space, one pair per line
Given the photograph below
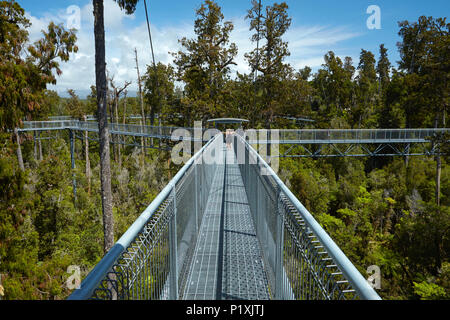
19, 150
116, 107
124, 110
105, 165
159, 129
124, 105
142, 147
438, 180
86, 154
115, 116
438, 170
141, 98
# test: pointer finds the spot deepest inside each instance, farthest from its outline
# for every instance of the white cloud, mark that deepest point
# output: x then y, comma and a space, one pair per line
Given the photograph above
307, 44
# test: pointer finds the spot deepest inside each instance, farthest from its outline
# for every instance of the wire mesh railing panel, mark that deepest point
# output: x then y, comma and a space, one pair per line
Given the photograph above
285, 136
311, 273
187, 224
302, 262
151, 260
141, 271
352, 135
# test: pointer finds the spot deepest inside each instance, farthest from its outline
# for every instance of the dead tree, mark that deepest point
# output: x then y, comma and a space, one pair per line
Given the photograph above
141, 99
117, 91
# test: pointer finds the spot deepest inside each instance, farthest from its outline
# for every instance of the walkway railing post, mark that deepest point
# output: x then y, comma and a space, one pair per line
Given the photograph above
173, 280
279, 247
247, 161
196, 196
200, 187
256, 199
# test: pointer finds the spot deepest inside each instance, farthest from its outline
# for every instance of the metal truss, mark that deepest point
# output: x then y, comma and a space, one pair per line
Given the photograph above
329, 150
174, 248
127, 140
317, 143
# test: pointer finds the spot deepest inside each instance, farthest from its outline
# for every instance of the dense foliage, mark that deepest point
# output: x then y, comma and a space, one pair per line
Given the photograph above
390, 212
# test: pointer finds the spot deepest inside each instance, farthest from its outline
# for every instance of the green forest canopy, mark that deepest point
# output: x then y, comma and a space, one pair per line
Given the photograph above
388, 212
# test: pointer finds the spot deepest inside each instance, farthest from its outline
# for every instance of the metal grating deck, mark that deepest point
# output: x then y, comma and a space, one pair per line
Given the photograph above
227, 261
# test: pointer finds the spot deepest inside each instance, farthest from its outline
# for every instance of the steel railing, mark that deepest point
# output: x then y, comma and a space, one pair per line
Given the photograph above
302, 261
274, 136
289, 136
151, 260
135, 130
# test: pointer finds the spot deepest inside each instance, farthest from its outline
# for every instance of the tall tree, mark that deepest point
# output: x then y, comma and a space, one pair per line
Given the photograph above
105, 165
269, 27
139, 81
335, 88
426, 61
75, 106
143, 121
366, 89
204, 63
159, 98
101, 84
25, 70
25, 73
383, 69
384, 79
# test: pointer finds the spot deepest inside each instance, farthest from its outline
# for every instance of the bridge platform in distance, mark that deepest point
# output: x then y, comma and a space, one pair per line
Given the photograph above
227, 262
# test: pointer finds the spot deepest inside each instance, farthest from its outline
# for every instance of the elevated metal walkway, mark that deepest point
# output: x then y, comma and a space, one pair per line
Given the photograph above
227, 261
225, 227
318, 143
135, 130
275, 136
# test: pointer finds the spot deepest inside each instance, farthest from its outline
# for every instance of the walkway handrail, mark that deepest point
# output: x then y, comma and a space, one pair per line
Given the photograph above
101, 270
288, 136
357, 281
77, 124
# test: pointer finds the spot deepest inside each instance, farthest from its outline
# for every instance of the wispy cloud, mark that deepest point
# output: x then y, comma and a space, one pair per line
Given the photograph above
307, 44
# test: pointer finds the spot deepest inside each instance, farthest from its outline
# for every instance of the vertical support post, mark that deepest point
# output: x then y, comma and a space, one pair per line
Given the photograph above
40, 145
196, 196
279, 247
256, 199
407, 150
173, 280
247, 160
34, 145
200, 183
234, 141
141, 129
72, 158
19, 150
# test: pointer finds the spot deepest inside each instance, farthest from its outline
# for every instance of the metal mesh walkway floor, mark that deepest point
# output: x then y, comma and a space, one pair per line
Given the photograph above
227, 261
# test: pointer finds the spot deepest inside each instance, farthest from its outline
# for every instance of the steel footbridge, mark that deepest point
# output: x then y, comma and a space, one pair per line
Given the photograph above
226, 227
315, 143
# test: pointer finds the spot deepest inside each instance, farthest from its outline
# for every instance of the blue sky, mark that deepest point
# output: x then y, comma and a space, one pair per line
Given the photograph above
317, 27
